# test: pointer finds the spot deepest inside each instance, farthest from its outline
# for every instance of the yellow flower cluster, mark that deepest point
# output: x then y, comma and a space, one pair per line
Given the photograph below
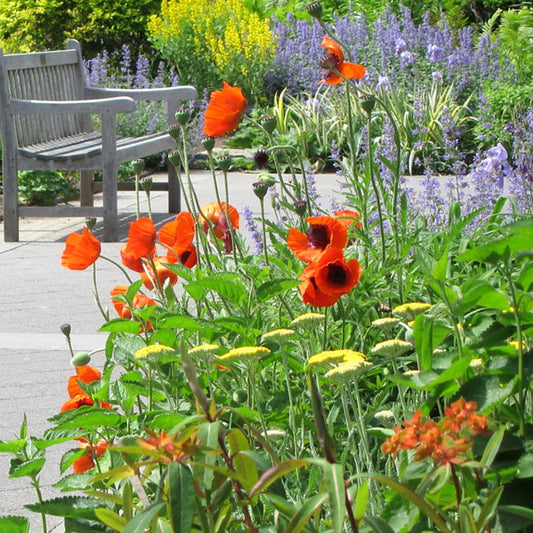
224, 32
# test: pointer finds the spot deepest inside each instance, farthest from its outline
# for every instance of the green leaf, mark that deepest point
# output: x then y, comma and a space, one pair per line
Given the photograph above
361, 500
69, 506
12, 446
269, 289
428, 334
487, 391
14, 524
94, 418
243, 464
141, 521
405, 492
180, 496
489, 509
185, 322
492, 447
334, 475
274, 473
110, 518
378, 525
440, 269
121, 325
28, 468
232, 291
306, 510
467, 523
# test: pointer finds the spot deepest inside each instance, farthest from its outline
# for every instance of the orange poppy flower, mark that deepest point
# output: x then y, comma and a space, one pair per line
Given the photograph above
85, 374
77, 401
81, 250
224, 111
336, 70
323, 233
130, 261
86, 461
325, 281
122, 309
161, 271
178, 236
141, 238
348, 218
216, 214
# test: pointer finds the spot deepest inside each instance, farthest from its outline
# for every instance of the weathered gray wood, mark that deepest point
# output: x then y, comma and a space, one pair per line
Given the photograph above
46, 124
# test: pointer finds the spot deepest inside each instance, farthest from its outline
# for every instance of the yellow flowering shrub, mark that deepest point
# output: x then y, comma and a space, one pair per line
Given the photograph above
213, 40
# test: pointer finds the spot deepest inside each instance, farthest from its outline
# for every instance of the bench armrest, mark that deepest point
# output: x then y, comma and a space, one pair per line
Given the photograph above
99, 105
183, 92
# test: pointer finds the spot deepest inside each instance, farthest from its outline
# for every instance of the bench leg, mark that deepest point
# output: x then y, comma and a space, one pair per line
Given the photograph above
86, 188
109, 178
174, 191
10, 185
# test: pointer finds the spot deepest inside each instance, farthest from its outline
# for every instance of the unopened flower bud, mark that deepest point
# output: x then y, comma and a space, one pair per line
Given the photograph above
224, 162
300, 207
174, 130
146, 184
260, 189
175, 159
268, 122
183, 117
269, 179
368, 103
315, 10
261, 159
137, 166
90, 223
65, 329
208, 143
81, 359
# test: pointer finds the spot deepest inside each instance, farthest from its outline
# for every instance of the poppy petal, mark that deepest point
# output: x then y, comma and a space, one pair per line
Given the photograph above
224, 111
352, 70
141, 238
81, 250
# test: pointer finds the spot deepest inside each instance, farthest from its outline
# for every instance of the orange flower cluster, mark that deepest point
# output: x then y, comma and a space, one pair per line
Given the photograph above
445, 442
214, 215
328, 275
170, 447
78, 397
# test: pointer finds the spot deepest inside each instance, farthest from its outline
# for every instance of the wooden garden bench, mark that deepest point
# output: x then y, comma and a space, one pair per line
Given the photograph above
46, 124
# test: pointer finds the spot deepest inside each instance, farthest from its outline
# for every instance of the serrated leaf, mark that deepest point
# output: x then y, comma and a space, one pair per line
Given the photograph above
272, 288
121, 325
232, 291
12, 446
14, 524
487, 391
94, 418
69, 506
180, 496
27, 468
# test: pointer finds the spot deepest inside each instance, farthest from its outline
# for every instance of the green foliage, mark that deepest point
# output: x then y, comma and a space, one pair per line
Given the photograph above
208, 42
44, 187
28, 26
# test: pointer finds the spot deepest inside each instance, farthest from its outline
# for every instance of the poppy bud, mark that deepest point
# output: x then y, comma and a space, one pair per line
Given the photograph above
81, 359
367, 103
315, 10
174, 130
182, 117
174, 158
65, 329
137, 166
261, 159
239, 396
90, 223
300, 207
208, 143
260, 189
268, 122
267, 178
224, 162
147, 184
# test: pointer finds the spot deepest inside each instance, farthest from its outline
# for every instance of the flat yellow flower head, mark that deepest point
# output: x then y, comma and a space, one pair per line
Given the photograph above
245, 353
391, 348
308, 320
152, 350
278, 335
333, 356
386, 322
410, 311
203, 350
348, 370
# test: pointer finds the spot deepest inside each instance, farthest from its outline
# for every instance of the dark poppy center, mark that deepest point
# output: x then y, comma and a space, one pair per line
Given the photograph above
337, 275
318, 236
184, 256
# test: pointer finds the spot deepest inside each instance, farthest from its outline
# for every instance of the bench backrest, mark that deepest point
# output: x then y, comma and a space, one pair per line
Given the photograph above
56, 75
